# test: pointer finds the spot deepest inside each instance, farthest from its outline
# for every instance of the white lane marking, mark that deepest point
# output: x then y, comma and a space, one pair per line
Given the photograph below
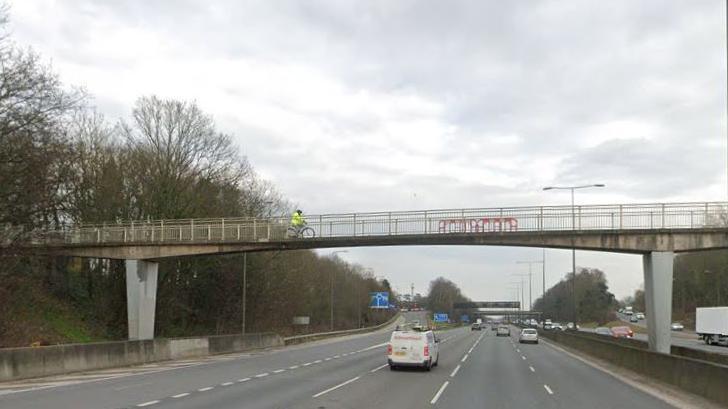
336, 387
262, 375
373, 347
523, 357
279, 370
439, 392
470, 351
205, 389
378, 368
337, 356
518, 350
181, 395
465, 358
318, 361
151, 402
531, 368
457, 368
226, 384
327, 359
293, 367
344, 354
548, 390
243, 380
307, 364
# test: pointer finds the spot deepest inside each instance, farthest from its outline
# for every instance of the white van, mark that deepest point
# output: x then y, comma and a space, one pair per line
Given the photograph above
413, 348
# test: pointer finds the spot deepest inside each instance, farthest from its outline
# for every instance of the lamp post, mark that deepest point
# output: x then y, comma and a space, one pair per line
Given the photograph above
530, 264
573, 227
331, 291
520, 289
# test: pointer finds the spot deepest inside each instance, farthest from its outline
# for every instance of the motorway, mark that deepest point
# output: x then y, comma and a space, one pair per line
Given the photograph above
686, 339
476, 369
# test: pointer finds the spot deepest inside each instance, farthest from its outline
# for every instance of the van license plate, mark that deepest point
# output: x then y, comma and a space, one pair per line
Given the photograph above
400, 353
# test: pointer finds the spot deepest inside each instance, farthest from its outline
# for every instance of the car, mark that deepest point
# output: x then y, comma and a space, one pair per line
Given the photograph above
475, 327
494, 327
676, 326
413, 348
622, 332
557, 326
634, 319
528, 335
503, 331
640, 315
547, 326
603, 331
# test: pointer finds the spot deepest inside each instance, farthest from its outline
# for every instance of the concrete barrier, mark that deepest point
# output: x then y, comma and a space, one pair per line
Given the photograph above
706, 379
23, 363
299, 339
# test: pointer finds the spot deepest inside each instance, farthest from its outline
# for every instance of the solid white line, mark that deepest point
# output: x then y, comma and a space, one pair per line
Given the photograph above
205, 389
181, 395
439, 392
464, 358
243, 380
378, 368
262, 375
279, 370
226, 384
336, 387
457, 368
531, 368
548, 390
293, 367
151, 402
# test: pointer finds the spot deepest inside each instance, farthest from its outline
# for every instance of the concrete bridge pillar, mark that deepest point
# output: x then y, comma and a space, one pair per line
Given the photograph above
141, 297
658, 298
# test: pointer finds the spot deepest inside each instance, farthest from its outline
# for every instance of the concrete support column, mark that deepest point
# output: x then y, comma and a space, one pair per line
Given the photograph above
658, 298
141, 297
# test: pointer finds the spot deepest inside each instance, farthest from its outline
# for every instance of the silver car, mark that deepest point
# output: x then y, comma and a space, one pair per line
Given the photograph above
528, 335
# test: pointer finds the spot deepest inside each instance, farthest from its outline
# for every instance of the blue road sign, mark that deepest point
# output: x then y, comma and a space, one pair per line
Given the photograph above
379, 300
464, 318
438, 317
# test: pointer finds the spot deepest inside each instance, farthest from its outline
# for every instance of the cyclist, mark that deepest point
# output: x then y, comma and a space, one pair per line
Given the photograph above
297, 220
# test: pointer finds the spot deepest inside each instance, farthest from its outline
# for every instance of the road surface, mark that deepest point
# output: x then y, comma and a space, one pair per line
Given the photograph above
476, 370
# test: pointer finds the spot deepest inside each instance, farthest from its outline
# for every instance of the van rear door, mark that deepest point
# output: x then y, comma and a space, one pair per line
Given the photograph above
407, 347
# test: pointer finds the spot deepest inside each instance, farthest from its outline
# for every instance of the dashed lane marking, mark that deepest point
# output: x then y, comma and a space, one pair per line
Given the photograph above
206, 389
279, 370
336, 387
455, 371
439, 392
151, 402
465, 358
378, 368
180, 395
243, 380
262, 375
548, 390
531, 368
226, 384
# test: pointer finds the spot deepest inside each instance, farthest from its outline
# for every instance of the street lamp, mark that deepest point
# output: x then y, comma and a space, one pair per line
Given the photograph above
331, 292
520, 289
573, 227
523, 287
530, 263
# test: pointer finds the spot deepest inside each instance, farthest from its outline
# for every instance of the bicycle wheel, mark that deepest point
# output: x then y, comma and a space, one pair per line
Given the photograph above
307, 233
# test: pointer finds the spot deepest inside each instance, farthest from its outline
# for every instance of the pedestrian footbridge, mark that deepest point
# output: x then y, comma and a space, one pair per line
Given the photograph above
654, 230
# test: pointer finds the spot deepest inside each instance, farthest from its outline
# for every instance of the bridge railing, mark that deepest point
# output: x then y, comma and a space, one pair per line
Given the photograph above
476, 221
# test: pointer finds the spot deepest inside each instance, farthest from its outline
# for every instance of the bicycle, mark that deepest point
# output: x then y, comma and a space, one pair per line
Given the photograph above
301, 232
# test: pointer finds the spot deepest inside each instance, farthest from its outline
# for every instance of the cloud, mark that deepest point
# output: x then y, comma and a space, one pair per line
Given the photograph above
351, 106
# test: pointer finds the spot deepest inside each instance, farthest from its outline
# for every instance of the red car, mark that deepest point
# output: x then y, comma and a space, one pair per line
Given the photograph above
622, 332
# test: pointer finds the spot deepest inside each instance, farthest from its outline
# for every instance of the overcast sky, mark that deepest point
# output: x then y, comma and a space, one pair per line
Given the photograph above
395, 105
